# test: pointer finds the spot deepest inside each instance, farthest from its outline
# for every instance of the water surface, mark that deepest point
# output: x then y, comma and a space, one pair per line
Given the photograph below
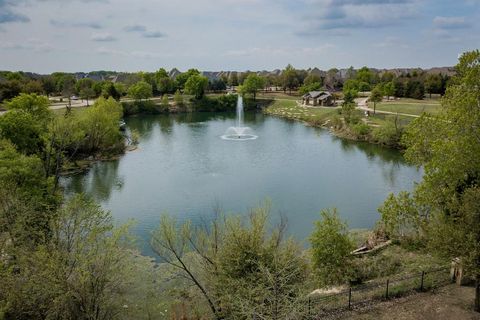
184, 168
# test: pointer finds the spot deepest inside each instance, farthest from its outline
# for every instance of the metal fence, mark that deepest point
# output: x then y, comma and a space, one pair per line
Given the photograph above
357, 296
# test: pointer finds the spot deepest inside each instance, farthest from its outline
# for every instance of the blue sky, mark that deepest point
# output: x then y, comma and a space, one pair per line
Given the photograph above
126, 35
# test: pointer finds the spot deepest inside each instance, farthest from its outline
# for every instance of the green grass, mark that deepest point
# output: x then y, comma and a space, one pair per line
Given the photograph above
61, 112
278, 95
411, 106
290, 109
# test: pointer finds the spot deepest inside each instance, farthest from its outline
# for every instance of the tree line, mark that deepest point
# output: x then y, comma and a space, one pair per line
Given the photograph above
143, 85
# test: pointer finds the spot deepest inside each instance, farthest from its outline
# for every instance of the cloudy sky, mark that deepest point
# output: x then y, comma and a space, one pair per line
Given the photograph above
132, 35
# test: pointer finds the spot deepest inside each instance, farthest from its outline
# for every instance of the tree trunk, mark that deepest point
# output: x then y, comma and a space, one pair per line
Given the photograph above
374, 107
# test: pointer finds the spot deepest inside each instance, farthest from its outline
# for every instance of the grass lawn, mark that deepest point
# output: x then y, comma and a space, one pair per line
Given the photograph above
61, 112
289, 109
278, 95
410, 106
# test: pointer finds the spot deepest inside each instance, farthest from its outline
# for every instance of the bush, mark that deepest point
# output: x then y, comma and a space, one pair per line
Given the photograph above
361, 129
331, 248
136, 107
387, 135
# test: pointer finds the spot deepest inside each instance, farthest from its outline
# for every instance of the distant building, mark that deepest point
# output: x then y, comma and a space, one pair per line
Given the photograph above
318, 98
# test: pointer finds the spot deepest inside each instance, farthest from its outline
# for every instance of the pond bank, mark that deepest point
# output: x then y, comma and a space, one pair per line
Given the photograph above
372, 130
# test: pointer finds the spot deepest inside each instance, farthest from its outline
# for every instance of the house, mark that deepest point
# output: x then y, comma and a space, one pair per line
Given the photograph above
318, 98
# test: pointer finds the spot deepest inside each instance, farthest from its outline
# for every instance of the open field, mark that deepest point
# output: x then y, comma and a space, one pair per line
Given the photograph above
410, 106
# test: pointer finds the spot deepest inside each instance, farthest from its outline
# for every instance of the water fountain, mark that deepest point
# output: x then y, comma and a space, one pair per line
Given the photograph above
239, 132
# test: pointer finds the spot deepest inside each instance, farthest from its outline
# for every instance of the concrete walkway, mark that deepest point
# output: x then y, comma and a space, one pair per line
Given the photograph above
362, 104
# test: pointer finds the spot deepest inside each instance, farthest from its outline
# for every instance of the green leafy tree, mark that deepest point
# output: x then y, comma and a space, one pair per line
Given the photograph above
178, 99
376, 96
25, 125
165, 104
306, 88
109, 90
240, 269
182, 78
289, 78
331, 248
447, 147
389, 89
196, 86
101, 126
365, 75
433, 84
140, 91
33, 86
252, 84
311, 79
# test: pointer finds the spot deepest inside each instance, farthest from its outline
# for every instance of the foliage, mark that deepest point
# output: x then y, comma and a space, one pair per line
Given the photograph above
196, 86
26, 123
361, 129
101, 124
447, 146
240, 268
252, 84
306, 88
289, 78
164, 104
140, 91
376, 96
331, 247
388, 134
178, 99
85, 271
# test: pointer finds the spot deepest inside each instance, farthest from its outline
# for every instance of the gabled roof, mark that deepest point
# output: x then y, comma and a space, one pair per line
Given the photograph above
317, 94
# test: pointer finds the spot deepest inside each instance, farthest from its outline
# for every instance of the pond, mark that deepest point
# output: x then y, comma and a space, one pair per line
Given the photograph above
184, 168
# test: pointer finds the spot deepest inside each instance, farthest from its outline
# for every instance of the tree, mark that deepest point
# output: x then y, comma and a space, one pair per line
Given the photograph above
101, 126
376, 96
311, 79
389, 89
182, 78
109, 90
241, 269
33, 86
447, 146
433, 84
233, 79
365, 75
86, 269
331, 248
196, 86
306, 88
140, 91
87, 94
178, 99
25, 125
289, 78
164, 104
252, 84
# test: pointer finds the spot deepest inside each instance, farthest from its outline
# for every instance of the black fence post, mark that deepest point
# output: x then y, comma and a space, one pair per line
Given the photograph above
350, 298
421, 282
386, 292
309, 306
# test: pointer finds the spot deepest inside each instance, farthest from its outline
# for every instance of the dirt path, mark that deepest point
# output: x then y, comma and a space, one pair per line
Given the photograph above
448, 303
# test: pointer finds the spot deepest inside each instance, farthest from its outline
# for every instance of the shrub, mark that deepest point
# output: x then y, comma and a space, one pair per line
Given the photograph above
388, 135
361, 129
331, 248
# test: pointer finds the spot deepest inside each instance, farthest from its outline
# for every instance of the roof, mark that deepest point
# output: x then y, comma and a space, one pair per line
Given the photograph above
318, 94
